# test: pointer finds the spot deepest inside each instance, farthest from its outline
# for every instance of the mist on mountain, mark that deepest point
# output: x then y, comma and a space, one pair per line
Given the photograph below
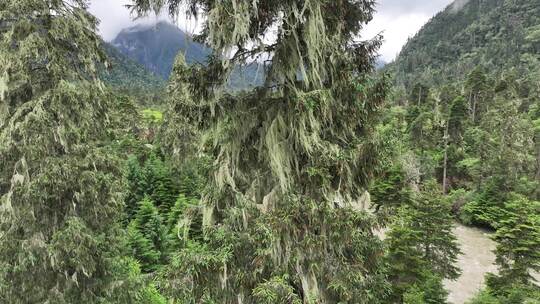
156, 46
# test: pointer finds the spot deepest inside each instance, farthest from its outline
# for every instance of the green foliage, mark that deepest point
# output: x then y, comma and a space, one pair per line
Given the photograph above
152, 116
484, 297
59, 182
201, 263
150, 295
261, 196
152, 178
429, 291
390, 191
518, 249
477, 89
515, 295
458, 39
419, 95
125, 76
184, 222
414, 296
147, 236
143, 250
518, 244
276, 290
463, 78
136, 186
457, 119
422, 248
290, 160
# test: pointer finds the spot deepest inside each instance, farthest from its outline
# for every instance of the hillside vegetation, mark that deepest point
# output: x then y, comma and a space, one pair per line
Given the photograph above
466, 103
130, 173
497, 34
127, 76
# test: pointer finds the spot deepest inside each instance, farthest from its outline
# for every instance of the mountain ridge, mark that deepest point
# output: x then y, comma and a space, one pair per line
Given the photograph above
495, 33
156, 46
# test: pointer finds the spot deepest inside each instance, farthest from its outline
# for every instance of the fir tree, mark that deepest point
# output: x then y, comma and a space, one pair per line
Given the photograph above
159, 184
457, 119
59, 185
518, 246
477, 88
419, 95
291, 158
136, 186
148, 237
422, 249
152, 178
390, 191
184, 221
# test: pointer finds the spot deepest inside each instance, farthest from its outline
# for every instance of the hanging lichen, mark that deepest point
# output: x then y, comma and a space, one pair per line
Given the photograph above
59, 183
292, 159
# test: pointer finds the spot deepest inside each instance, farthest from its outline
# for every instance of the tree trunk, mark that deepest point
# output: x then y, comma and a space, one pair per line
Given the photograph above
475, 101
445, 164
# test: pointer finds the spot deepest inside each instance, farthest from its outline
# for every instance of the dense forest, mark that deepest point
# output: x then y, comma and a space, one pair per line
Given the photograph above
322, 179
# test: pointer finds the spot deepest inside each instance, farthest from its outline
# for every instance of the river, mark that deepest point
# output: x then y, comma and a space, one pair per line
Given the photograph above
476, 260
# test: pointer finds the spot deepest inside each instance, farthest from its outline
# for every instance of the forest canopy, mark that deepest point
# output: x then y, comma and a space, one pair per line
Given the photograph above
329, 181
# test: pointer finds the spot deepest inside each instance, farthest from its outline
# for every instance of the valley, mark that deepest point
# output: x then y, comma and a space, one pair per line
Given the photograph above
275, 157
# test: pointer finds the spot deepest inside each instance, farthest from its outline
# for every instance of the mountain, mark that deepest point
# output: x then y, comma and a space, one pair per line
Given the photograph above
127, 73
128, 76
493, 33
156, 46
467, 93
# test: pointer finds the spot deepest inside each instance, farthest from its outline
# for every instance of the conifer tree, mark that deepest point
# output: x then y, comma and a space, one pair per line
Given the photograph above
181, 231
153, 179
504, 143
419, 95
390, 191
59, 185
422, 249
477, 91
457, 119
136, 186
291, 158
518, 246
148, 236
159, 184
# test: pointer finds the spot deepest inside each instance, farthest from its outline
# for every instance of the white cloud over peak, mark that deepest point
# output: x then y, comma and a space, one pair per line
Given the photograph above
397, 20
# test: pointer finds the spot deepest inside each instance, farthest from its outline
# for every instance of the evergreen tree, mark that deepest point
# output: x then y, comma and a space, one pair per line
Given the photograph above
518, 246
477, 87
152, 178
504, 146
422, 249
148, 237
447, 95
291, 158
59, 185
390, 191
184, 222
419, 95
136, 186
159, 184
143, 250
457, 119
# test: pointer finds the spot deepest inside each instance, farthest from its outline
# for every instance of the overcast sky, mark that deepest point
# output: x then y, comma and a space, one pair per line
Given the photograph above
396, 19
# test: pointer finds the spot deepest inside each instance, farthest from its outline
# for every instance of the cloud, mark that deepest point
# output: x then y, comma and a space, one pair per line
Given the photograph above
396, 19
458, 5
114, 17
393, 8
